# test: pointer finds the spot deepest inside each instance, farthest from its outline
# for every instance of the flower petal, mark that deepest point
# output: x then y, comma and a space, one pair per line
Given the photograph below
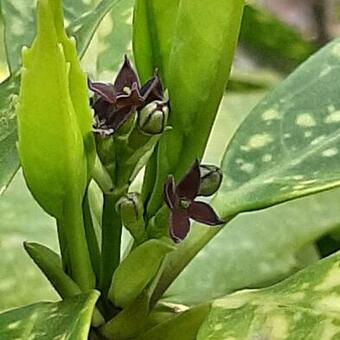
119, 117
132, 99
126, 77
102, 109
179, 225
152, 90
170, 196
189, 186
204, 213
103, 90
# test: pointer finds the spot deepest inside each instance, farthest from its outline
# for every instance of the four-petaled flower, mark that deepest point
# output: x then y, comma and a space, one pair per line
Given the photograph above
180, 199
114, 104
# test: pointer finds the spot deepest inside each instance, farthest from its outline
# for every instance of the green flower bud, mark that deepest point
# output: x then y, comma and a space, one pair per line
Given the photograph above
131, 210
153, 118
211, 179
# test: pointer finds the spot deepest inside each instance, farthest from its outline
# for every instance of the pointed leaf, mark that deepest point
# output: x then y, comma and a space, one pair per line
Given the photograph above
288, 145
69, 319
195, 85
301, 307
136, 271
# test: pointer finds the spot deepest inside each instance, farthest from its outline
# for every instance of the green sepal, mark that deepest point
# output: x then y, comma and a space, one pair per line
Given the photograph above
137, 270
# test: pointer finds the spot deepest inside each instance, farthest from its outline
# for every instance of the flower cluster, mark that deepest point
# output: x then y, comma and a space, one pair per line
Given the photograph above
115, 103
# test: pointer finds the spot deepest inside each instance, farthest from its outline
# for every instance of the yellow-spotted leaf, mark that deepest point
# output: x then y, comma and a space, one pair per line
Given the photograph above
69, 319
305, 306
288, 146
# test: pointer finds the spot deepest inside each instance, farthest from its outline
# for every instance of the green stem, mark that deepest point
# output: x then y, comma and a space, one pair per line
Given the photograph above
74, 246
91, 237
111, 239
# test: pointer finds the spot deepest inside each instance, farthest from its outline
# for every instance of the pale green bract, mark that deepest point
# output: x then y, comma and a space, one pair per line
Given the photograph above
51, 144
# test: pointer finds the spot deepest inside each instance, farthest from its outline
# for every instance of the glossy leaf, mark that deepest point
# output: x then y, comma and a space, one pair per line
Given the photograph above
9, 162
301, 307
193, 104
153, 33
136, 271
85, 26
69, 319
288, 145
258, 249
183, 326
20, 24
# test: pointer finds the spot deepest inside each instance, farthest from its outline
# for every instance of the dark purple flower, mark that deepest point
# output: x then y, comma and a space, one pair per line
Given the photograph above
180, 199
115, 103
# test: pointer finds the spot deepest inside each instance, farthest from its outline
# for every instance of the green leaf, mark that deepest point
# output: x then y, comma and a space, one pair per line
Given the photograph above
3, 58
69, 319
114, 38
136, 271
20, 24
275, 43
288, 145
9, 163
257, 249
195, 85
183, 326
84, 28
305, 306
153, 33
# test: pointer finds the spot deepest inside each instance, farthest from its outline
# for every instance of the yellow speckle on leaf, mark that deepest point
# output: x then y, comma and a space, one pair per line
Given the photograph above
271, 114
333, 117
258, 141
330, 152
305, 120
332, 280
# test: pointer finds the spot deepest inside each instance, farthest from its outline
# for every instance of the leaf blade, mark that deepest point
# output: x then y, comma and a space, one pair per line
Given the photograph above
70, 318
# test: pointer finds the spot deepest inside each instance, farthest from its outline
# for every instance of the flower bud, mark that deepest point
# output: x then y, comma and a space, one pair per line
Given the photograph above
131, 210
211, 178
154, 117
